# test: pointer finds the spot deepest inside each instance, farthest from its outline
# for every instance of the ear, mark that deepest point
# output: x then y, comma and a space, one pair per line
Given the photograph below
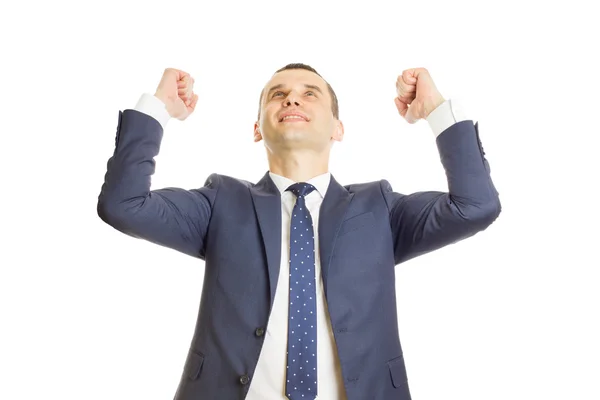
257, 135
338, 133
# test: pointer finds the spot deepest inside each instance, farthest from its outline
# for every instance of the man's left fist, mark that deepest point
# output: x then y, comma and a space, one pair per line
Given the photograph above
417, 95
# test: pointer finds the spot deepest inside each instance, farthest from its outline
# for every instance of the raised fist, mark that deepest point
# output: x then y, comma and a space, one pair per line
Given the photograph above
417, 94
176, 90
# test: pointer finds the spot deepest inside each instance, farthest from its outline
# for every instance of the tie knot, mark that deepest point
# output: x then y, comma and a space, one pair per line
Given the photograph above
301, 188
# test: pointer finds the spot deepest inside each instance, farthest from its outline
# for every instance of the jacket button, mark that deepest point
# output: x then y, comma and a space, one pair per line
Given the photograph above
259, 331
244, 379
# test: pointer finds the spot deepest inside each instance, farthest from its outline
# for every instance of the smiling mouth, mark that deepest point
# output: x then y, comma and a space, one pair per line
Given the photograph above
292, 118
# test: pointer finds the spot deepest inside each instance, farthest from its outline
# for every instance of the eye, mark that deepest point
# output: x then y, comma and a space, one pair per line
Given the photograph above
275, 94
313, 93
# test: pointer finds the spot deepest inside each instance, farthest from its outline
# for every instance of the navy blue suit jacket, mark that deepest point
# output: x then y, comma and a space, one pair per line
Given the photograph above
235, 227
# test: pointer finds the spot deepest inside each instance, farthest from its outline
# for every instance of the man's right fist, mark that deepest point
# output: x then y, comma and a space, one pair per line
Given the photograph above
176, 90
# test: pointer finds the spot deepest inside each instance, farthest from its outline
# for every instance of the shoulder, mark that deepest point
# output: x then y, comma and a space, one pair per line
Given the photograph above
367, 187
215, 179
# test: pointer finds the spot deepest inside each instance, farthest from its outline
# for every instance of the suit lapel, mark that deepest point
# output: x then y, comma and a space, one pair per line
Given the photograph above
267, 204
334, 206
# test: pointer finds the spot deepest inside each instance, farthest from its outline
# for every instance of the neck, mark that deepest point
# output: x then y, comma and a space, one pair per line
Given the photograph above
298, 165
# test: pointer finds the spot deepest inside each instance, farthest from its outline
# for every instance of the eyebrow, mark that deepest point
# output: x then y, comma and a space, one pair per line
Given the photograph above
306, 85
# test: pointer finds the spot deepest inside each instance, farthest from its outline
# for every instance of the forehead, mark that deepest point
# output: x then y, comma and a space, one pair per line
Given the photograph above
292, 77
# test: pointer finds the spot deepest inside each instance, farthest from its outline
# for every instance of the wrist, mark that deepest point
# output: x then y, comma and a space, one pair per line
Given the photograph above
169, 103
162, 97
433, 103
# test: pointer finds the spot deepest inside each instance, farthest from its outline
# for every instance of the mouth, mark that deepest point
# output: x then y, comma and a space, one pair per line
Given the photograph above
291, 120
293, 117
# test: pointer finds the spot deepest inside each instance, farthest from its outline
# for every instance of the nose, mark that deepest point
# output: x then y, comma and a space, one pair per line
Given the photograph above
291, 99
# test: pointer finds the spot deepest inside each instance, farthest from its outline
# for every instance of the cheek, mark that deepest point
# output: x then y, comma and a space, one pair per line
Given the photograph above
326, 122
268, 115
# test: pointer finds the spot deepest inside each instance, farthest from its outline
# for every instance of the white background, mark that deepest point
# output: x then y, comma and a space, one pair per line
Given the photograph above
89, 313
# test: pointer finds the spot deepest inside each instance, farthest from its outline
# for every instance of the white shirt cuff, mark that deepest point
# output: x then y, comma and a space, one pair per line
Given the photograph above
154, 107
446, 115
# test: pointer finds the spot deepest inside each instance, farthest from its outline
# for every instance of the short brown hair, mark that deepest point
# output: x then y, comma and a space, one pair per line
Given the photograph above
334, 101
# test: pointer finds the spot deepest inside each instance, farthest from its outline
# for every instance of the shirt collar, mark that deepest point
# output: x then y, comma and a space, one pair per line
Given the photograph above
320, 182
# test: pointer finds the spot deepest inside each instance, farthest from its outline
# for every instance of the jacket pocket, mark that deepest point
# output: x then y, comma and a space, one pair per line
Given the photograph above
193, 365
357, 222
398, 371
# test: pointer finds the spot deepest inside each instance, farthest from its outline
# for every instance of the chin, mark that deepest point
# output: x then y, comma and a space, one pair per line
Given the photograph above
295, 134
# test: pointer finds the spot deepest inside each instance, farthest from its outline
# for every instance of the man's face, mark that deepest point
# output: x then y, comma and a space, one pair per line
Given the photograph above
304, 94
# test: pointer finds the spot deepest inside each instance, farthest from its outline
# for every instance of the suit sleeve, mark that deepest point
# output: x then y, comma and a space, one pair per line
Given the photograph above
171, 217
425, 221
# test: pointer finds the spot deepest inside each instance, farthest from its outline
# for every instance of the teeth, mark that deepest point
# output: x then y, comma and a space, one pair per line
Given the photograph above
292, 116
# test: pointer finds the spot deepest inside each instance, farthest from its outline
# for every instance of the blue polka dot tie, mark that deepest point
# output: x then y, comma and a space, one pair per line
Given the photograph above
301, 376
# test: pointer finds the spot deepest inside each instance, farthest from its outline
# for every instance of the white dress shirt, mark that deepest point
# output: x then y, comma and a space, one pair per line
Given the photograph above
268, 382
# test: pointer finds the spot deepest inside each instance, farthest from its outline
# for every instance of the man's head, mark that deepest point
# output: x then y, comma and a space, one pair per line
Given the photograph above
298, 89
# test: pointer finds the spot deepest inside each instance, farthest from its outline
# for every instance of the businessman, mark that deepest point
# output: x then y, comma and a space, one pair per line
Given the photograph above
298, 299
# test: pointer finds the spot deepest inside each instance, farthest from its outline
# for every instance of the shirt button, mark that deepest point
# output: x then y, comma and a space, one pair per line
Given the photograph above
244, 379
259, 332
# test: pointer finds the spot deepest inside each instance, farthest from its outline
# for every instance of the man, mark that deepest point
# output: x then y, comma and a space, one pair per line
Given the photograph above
298, 298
